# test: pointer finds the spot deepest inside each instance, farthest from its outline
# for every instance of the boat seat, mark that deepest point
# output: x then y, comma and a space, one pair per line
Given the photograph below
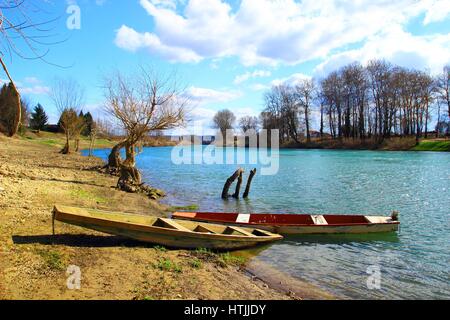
163, 222
376, 220
230, 230
319, 220
203, 229
243, 218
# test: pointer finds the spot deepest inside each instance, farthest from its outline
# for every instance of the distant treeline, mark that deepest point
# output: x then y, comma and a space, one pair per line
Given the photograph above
377, 101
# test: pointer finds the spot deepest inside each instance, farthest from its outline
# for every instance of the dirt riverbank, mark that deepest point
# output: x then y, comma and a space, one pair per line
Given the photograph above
33, 264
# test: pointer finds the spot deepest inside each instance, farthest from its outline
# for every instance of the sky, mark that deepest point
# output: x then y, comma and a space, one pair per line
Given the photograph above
228, 53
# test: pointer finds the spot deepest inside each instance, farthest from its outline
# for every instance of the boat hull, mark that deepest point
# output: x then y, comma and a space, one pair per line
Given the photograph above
310, 224
157, 235
297, 230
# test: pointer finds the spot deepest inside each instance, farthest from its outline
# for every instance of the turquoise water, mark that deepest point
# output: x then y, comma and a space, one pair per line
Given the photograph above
413, 264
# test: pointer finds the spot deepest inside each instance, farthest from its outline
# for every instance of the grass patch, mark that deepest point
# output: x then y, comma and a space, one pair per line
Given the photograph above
433, 145
221, 259
196, 264
160, 248
227, 259
168, 265
86, 195
53, 259
48, 142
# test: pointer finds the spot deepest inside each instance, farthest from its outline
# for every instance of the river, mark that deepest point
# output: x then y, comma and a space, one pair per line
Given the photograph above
412, 264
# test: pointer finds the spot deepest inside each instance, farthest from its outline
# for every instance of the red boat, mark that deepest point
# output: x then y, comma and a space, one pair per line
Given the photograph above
291, 224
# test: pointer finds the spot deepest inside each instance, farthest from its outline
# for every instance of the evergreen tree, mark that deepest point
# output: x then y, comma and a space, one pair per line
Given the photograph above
8, 109
88, 124
38, 118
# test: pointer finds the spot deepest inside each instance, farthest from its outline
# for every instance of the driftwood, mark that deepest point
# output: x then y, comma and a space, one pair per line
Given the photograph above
249, 183
238, 186
230, 181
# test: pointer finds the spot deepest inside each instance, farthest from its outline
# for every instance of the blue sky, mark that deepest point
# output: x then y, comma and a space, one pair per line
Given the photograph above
227, 53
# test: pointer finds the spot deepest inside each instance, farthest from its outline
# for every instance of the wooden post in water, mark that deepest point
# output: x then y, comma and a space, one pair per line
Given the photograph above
238, 185
249, 183
229, 182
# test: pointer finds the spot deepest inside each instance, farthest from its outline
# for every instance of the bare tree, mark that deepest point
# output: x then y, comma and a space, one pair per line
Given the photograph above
224, 120
68, 98
305, 92
141, 104
23, 37
443, 84
92, 136
248, 123
79, 126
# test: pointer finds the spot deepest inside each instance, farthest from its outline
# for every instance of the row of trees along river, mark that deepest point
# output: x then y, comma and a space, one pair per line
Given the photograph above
376, 101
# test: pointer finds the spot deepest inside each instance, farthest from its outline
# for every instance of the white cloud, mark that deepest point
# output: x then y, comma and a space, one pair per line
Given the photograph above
205, 96
260, 87
128, 39
30, 85
396, 46
436, 11
251, 75
36, 90
292, 80
270, 32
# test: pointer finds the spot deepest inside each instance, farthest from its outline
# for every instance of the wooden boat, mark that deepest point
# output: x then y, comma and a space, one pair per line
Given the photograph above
165, 232
294, 224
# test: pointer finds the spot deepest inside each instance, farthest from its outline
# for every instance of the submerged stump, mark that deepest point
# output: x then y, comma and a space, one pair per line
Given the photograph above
229, 182
249, 183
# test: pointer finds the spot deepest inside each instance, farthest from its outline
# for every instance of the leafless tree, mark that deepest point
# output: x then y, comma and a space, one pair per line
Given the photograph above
68, 97
92, 136
248, 123
22, 36
305, 92
224, 120
141, 104
443, 85
282, 112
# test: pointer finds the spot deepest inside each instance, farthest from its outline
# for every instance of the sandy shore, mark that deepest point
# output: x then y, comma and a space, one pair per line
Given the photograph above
33, 264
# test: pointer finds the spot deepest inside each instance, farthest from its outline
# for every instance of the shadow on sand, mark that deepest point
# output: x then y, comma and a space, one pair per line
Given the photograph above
75, 240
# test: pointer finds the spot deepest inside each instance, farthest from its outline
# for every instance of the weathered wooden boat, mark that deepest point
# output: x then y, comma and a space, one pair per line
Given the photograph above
165, 232
294, 224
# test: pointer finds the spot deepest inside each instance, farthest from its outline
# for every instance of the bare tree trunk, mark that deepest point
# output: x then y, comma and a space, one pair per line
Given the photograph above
238, 186
229, 182
18, 116
308, 133
77, 144
66, 149
321, 121
114, 160
130, 177
91, 145
249, 183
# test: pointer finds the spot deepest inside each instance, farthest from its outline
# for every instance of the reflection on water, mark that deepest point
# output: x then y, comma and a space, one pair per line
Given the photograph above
414, 263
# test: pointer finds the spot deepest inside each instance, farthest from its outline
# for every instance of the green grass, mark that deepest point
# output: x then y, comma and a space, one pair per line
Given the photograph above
435, 145
227, 259
83, 194
49, 142
53, 259
160, 248
168, 265
59, 140
196, 264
